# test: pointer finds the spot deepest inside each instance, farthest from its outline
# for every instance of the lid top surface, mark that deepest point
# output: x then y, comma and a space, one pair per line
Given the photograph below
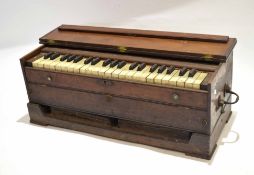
204, 46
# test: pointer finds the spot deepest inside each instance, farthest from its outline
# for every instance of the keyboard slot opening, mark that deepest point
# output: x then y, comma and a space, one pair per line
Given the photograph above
114, 122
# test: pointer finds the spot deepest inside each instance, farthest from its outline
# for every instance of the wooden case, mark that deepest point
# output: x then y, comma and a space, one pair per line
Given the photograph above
135, 112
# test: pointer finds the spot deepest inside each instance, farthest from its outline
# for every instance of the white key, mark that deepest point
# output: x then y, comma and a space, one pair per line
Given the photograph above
150, 78
130, 73
117, 72
127, 74
174, 79
65, 66
47, 65
58, 66
181, 81
74, 67
144, 75
160, 76
93, 69
165, 80
189, 82
141, 75
199, 80
52, 66
35, 63
41, 63
102, 71
84, 68
108, 73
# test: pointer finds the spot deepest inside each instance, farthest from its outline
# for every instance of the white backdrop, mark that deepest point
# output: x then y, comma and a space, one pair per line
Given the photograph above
30, 149
24, 22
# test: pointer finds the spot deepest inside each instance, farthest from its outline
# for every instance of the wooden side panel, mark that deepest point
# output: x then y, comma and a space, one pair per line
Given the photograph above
119, 88
222, 77
128, 109
23, 63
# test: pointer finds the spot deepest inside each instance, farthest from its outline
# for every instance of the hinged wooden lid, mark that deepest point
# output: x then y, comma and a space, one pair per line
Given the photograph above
142, 42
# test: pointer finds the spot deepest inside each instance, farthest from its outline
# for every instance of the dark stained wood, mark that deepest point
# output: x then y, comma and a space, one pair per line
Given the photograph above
23, 63
179, 48
135, 112
118, 88
129, 109
145, 33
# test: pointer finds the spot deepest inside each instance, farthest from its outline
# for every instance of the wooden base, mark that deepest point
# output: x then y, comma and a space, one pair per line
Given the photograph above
193, 144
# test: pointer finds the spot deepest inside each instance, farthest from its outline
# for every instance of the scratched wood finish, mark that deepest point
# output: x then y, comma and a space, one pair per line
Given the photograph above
130, 109
118, 88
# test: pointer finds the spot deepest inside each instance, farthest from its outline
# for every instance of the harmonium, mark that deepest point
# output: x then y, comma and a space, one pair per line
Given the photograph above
163, 89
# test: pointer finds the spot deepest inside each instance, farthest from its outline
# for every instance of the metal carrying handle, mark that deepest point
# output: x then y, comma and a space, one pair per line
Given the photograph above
231, 92
227, 89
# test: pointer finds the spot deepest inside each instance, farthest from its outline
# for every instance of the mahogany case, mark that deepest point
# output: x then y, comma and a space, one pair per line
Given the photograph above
130, 111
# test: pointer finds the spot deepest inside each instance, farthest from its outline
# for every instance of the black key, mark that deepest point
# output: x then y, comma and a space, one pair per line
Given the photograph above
141, 66
77, 59
114, 63
133, 65
182, 71
192, 72
161, 69
106, 62
154, 67
95, 61
88, 60
54, 56
121, 64
71, 58
63, 58
170, 69
48, 55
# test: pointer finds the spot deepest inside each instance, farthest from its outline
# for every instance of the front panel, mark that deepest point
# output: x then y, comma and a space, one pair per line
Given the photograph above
135, 110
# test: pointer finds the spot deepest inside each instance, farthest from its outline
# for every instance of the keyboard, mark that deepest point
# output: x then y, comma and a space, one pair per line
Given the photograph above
122, 70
